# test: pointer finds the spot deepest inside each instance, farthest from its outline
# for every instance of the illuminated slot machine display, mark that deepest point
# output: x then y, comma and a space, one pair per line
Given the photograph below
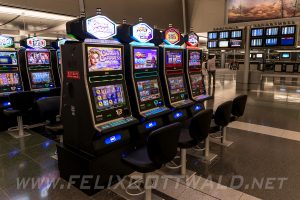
10, 76
96, 110
37, 68
173, 75
142, 75
193, 69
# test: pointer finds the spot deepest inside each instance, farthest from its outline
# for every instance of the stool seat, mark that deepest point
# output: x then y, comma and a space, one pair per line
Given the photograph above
185, 140
140, 161
11, 112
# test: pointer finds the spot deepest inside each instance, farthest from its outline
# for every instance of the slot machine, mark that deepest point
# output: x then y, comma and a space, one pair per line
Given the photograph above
56, 60
10, 76
173, 76
142, 75
37, 70
193, 70
96, 111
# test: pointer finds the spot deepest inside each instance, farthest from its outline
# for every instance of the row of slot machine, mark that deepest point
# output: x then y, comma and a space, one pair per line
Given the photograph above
119, 84
30, 68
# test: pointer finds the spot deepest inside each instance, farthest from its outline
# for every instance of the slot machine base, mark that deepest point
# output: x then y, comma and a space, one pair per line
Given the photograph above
89, 173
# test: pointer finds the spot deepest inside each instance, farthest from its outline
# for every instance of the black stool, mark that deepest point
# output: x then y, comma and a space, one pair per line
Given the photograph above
191, 137
238, 107
220, 120
21, 105
161, 148
49, 111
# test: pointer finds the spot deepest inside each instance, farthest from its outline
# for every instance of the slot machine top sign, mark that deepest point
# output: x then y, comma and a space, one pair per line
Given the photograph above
6, 41
36, 43
172, 36
101, 27
193, 39
142, 32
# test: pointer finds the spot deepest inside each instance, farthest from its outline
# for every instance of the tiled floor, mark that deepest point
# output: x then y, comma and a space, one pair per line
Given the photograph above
262, 151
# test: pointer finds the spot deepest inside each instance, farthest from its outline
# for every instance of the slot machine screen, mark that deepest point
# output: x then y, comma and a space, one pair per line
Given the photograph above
212, 35
176, 85
285, 55
235, 43
258, 32
40, 78
212, 44
287, 41
59, 57
271, 42
108, 97
8, 58
223, 43
256, 42
288, 30
7, 79
38, 58
104, 58
145, 58
224, 35
194, 59
148, 90
197, 84
174, 58
236, 34
272, 31
259, 55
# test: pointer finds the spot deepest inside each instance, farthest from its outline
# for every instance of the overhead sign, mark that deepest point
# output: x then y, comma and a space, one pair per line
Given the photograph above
36, 43
193, 39
142, 32
101, 27
6, 41
172, 36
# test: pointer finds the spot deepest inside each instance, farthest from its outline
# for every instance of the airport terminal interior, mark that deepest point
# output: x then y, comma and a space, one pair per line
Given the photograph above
136, 99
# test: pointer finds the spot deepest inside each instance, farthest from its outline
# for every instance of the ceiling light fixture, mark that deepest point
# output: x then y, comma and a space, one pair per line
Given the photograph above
33, 13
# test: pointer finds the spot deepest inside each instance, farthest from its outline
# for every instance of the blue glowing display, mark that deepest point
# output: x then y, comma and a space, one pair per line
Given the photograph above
6, 104
178, 115
113, 139
197, 108
151, 125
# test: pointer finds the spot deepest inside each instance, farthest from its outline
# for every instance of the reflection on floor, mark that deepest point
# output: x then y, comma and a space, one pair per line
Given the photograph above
263, 161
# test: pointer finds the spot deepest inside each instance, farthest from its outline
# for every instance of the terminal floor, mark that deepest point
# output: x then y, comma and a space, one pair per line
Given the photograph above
266, 146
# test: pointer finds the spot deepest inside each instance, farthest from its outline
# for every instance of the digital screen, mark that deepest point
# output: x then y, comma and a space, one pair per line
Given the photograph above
145, 58
176, 85
212, 44
256, 42
223, 43
224, 35
59, 57
104, 58
285, 55
8, 58
259, 55
108, 96
236, 34
148, 90
38, 58
272, 31
40, 77
299, 56
235, 43
195, 58
257, 32
288, 30
9, 79
212, 36
174, 58
271, 42
287, 41
196, 80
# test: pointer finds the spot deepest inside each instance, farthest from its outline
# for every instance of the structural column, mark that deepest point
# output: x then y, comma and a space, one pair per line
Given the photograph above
247, 56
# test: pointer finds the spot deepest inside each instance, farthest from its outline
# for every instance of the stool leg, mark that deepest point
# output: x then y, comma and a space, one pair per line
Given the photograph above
147, 187
20, 126
208, 157
183, 162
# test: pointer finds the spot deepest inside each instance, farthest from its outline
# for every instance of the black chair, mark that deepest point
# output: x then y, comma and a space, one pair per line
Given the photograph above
220, 120
238, 107
191, 137
49, 111
161, 148
21, 105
